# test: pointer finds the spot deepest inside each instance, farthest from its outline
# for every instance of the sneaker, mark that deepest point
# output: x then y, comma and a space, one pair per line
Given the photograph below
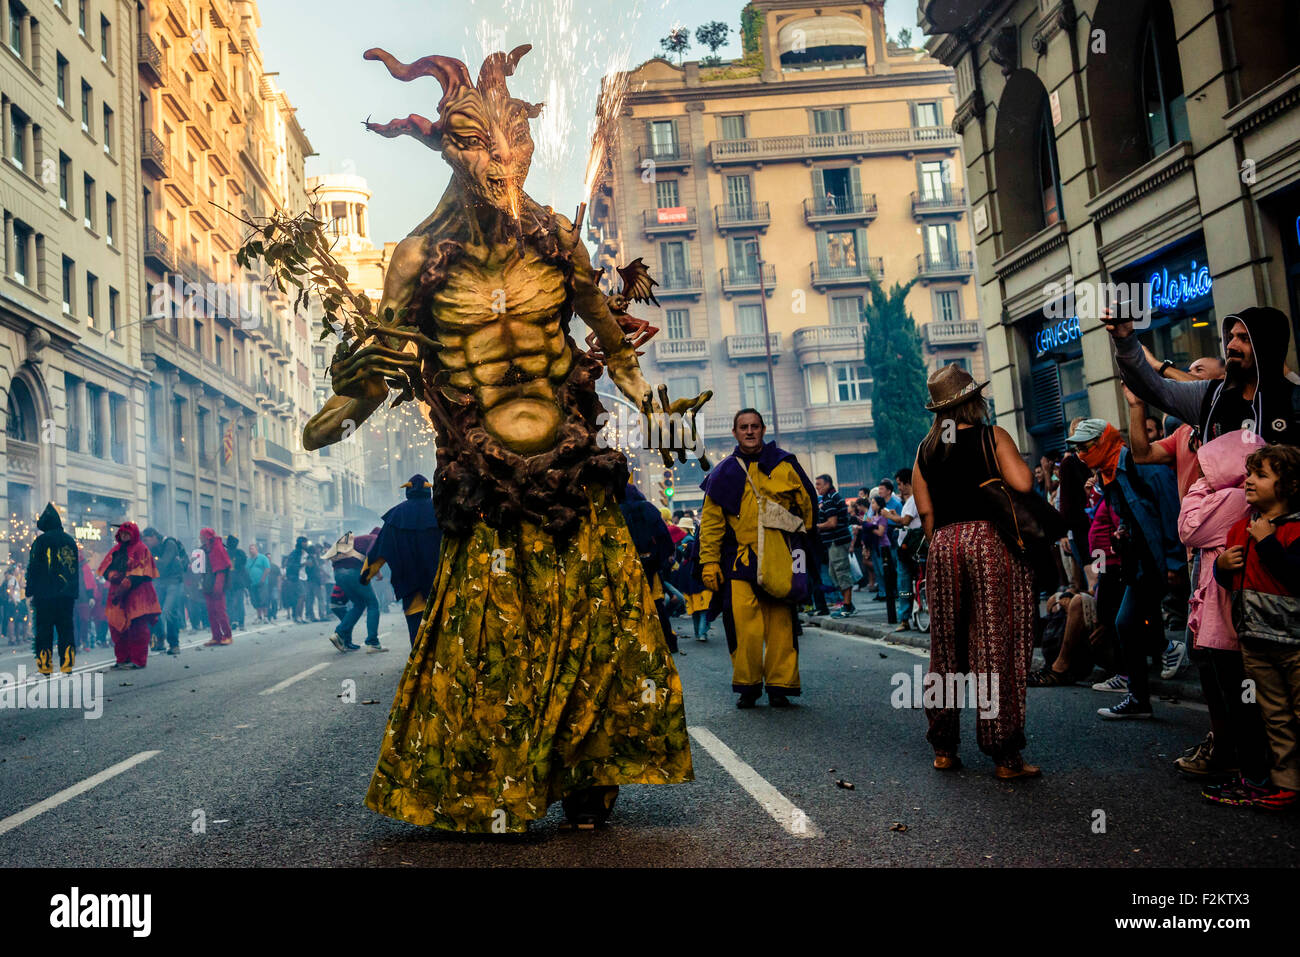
338, 642
1238, 793
212, 643
351, 647
1130, 707
1199, 758
173, 651
703, 637
1274, 798
842, 612
121, 666
1113, 683
1175, 657
43, 664
375, 648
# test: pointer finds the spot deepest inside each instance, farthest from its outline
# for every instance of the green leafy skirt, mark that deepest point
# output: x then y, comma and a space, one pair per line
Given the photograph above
535, 673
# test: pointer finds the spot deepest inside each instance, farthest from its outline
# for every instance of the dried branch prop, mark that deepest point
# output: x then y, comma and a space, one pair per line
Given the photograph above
296, 252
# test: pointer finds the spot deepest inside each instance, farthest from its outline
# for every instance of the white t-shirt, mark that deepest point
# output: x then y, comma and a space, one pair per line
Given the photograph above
909, 512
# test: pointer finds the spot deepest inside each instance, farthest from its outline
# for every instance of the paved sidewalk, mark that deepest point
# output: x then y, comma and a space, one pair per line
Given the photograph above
871, 621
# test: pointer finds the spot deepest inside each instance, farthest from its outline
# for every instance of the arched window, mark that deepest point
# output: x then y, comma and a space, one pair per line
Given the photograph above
1163, 102
21, 422
1027, 173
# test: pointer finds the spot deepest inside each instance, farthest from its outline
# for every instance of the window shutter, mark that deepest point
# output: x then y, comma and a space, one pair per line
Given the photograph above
855, 184
822, 258
860, 237
1049, 416
819, 189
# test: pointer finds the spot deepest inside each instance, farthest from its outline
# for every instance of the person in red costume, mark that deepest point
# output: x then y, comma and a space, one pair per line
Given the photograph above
132, 605
214, 586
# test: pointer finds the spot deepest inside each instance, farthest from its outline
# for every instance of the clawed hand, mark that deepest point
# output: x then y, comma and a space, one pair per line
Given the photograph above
370, 371
674, 424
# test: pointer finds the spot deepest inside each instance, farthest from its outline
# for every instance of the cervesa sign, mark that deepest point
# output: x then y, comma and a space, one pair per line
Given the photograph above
1056, 335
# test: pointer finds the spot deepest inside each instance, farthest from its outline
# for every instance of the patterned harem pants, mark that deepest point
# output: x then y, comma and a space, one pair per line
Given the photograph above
981, 621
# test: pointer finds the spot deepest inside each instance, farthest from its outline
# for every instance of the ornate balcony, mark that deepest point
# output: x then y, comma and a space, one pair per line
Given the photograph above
666, 155
687, 283
681, 350
729, 216
149, 59
860, 273
669, 221
950, 202
750, 346
153, 154
854, 144
859, 208
840, 415
746, 279
828, 343
956, 333
158, 252
953, 266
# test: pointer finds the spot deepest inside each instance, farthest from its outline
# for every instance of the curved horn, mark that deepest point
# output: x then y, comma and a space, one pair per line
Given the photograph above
500, 65
448, 71
427, 132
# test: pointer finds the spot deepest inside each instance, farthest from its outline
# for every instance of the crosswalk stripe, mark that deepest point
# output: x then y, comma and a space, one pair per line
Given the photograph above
67, 794
298, 677
792, 819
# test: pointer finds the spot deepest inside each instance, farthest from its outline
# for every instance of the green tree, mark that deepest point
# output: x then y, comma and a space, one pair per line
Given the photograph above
893, 355
712, 35
678, 41
905, 38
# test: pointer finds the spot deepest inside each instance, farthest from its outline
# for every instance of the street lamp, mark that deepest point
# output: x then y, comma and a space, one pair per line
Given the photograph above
767, 341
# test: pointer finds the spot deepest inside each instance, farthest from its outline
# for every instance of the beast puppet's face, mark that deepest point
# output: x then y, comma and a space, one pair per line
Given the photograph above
487, 142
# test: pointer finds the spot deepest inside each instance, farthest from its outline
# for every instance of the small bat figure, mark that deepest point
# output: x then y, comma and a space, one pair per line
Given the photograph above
637, 287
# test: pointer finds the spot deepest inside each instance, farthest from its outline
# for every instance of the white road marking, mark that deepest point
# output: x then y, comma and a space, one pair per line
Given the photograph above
298, 677
879, 642
67, 794
792, 819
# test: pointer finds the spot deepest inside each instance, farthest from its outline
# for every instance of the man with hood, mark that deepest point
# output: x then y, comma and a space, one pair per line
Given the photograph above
169, 555
758, 605
52, 587
295, 580
132, 605
1145, 498
654, 547
216, 573
408, 543
1254, 394
237, 587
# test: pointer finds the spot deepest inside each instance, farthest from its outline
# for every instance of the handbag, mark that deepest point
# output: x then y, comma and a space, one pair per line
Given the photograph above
1028, 525
776, 574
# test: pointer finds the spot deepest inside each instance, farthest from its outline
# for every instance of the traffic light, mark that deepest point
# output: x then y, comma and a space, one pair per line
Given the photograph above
668, 483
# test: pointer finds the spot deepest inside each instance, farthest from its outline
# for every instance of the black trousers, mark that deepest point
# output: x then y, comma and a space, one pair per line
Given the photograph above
889, 565
1239, 737
52, 613
666, 623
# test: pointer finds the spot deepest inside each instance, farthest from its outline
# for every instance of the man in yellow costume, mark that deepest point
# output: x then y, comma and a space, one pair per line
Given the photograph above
758, 598
539, 672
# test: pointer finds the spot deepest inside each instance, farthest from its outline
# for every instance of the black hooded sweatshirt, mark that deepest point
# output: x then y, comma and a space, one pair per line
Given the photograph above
53, 563
1217, 407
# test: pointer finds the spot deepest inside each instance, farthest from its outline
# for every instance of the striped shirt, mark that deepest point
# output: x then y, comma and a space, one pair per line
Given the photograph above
831, 504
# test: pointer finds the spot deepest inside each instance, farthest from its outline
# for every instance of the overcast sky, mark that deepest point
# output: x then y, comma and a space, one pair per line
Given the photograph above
575, 42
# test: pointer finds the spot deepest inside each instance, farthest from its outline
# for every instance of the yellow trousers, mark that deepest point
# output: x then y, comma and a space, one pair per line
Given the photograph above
760, 634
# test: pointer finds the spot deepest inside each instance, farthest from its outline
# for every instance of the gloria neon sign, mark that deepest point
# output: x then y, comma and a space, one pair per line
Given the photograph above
1170, 292
1060, 334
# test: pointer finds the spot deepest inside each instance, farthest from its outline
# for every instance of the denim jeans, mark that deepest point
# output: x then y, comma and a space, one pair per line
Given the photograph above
171, 595
878, 564
363, 599
905, 573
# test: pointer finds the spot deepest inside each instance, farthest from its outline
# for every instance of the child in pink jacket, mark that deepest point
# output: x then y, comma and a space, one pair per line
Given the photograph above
1213, 504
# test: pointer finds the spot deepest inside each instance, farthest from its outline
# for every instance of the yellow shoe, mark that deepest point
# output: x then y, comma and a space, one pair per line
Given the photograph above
69, 659
43, 663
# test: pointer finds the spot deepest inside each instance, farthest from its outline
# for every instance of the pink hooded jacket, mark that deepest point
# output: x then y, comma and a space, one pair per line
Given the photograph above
1213, 504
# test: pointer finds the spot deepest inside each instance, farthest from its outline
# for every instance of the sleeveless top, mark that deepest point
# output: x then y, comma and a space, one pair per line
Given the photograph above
954, 481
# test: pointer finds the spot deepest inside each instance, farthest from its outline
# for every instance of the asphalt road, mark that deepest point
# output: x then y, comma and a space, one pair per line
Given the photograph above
276, 777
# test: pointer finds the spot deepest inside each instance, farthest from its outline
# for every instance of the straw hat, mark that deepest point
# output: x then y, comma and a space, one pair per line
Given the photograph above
951, 385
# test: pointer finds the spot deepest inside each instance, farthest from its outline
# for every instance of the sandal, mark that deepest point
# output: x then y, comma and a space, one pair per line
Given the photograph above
1048, 678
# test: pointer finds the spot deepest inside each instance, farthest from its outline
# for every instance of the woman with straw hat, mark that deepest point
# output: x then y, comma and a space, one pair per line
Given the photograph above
981, 596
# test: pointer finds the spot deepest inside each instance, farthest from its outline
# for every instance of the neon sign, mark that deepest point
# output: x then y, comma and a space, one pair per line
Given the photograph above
1170, 292
1055, 336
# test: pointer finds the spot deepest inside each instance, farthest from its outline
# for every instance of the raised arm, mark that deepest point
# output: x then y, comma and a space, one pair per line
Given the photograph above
1180, 399
359, 381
